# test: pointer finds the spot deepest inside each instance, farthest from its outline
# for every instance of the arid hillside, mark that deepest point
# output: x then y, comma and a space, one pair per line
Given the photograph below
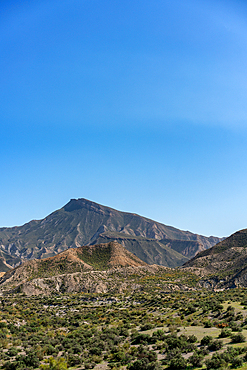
82, 222
98, 268
224, 265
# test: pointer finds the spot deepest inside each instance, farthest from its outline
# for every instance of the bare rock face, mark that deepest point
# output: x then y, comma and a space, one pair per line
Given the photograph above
114, 281
82, 222
70, 283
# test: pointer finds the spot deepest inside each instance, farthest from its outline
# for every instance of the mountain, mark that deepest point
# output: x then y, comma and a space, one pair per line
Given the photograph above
82, 222
224, 265
86, 258
7, 261
101, 268
77, 269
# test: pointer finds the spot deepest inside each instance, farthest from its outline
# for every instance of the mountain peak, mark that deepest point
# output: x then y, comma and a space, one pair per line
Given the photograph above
79, 203
83, 222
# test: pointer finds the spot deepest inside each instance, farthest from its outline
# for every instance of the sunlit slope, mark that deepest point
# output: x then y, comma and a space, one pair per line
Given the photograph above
82, 222
100, 268
223, 265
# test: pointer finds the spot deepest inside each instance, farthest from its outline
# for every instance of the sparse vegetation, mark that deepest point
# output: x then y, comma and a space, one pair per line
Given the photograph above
147, 329
100, 307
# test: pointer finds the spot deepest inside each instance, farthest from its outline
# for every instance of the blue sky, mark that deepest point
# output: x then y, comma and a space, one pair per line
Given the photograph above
138, 105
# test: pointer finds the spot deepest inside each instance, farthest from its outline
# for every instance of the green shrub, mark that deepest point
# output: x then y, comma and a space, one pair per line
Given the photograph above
215, 362
238, 338
237, 362
206, 340
225, 332
13, 351
55, 364
178, 363
196, 359
215, 345
141, 339
192, 339
146, 326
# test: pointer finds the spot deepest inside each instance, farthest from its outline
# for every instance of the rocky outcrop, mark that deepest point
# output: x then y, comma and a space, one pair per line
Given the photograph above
115, 280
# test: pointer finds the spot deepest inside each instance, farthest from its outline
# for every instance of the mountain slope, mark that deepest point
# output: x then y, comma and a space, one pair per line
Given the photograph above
86, 258
82, 222
65, 265
149, 250
100, 268
7, 261
224, 265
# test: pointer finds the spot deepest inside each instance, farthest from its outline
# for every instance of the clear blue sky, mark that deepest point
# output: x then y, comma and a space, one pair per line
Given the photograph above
138, 105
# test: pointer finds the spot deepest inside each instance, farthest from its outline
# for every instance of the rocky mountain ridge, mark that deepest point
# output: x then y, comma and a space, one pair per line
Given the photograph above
83, 222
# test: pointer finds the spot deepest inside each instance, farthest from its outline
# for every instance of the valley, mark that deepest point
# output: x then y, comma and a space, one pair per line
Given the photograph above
129, 298
147, 329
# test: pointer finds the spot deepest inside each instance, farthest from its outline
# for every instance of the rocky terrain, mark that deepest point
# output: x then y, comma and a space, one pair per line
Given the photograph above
100, 268
114, 280
70, 270
224, 265
82, 222
107, 267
